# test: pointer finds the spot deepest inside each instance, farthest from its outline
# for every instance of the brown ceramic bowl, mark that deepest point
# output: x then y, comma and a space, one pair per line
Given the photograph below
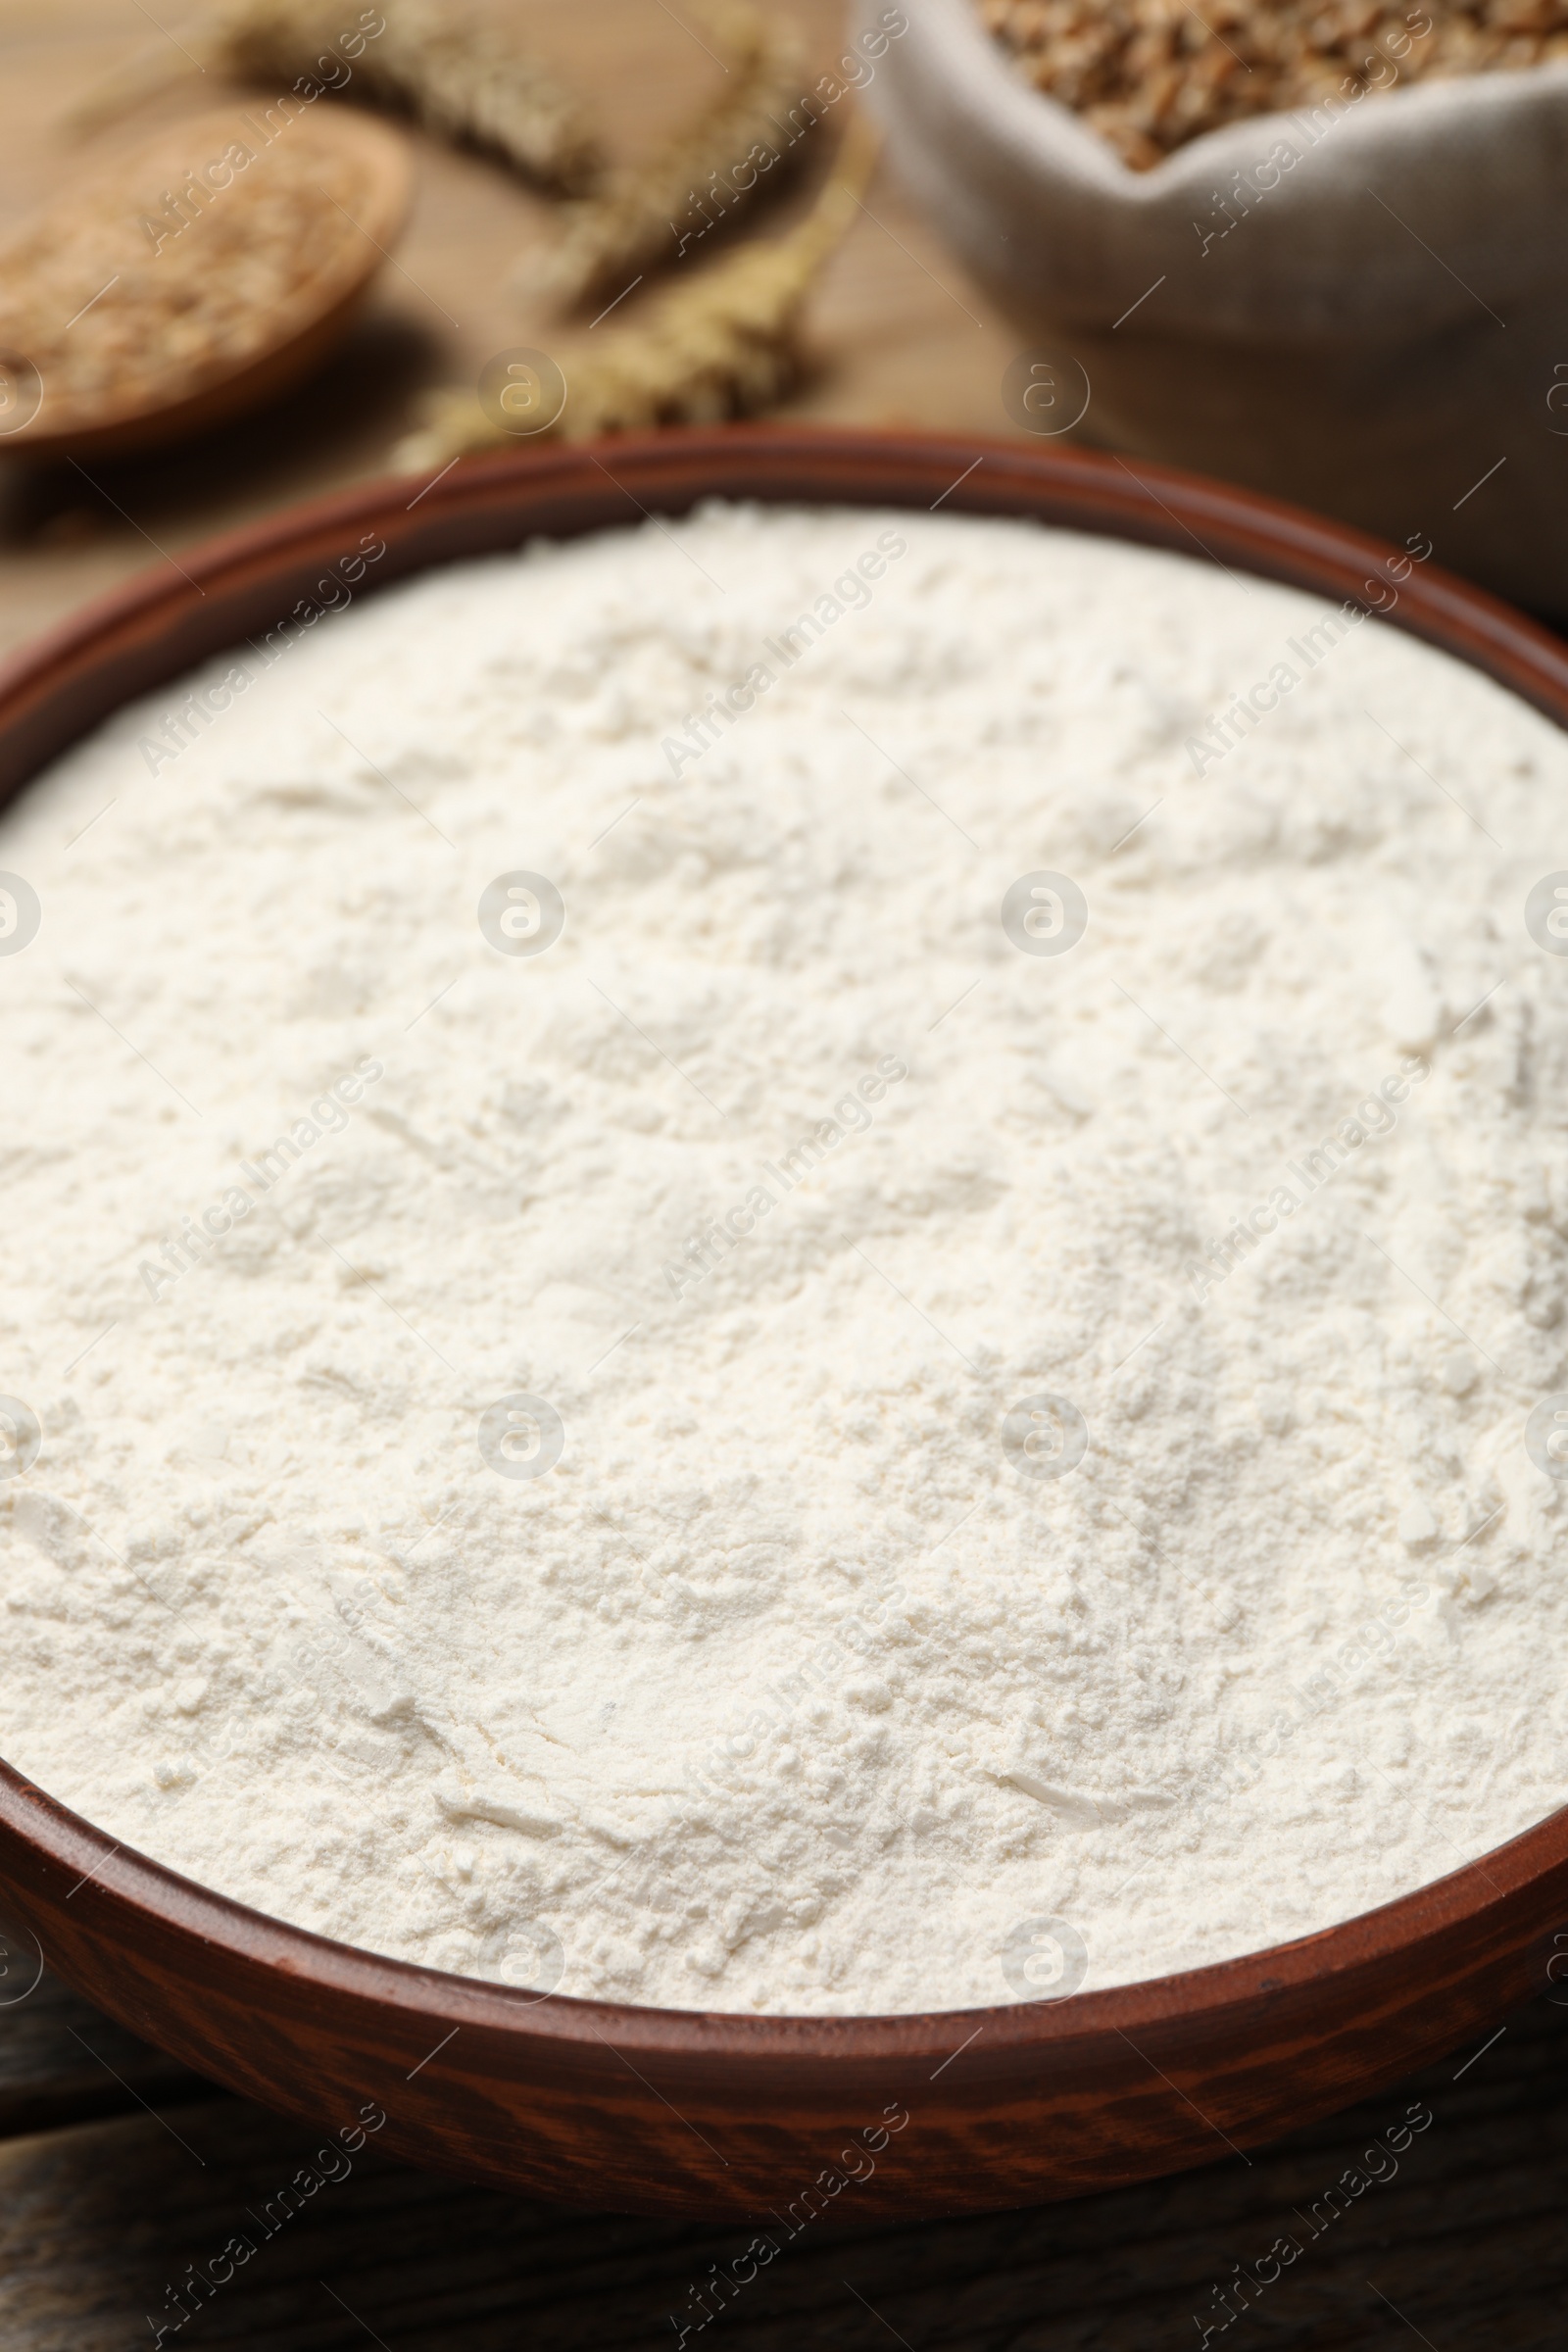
646, 2109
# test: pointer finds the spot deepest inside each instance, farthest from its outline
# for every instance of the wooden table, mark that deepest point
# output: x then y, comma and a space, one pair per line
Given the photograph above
118, 2169
898, 334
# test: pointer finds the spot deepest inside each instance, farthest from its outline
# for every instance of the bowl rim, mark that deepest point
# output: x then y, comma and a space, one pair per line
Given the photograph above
41, 701
1209, 1993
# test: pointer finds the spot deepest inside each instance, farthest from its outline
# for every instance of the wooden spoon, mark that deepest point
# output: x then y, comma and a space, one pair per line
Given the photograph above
192, 278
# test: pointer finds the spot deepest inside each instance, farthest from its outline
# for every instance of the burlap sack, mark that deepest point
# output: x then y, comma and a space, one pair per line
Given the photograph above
1364, 309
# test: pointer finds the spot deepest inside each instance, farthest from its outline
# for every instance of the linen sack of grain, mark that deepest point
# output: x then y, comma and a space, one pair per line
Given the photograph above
1363, 306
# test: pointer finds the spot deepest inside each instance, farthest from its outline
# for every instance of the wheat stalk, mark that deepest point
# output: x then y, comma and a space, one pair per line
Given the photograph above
630, 223
457, 74
723, 346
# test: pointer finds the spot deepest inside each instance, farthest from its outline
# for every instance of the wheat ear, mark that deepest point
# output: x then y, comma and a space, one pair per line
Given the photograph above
634, 221
723, 346
462, 78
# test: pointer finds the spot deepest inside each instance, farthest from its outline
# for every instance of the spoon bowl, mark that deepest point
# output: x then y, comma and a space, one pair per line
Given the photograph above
192, 278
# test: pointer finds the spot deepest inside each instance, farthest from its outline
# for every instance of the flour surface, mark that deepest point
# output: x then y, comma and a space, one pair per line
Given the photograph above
789, 1179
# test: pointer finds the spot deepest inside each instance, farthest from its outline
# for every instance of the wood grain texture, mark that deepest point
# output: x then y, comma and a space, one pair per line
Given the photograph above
62, 2062
646, 2109
897, 334
1461, 2246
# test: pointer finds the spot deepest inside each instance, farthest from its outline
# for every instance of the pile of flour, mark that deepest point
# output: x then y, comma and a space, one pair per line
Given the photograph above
786, 1178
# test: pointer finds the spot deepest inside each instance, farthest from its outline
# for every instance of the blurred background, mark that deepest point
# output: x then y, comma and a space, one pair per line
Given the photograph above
1309, 245
894, 332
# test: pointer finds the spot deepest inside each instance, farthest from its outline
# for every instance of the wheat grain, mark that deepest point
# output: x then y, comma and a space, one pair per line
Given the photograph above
126, 295
725, 345
1152, 74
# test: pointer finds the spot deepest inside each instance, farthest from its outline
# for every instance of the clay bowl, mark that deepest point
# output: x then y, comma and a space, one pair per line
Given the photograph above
661, 2110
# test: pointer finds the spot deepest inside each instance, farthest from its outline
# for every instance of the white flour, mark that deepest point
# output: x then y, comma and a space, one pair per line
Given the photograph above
790, 1687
